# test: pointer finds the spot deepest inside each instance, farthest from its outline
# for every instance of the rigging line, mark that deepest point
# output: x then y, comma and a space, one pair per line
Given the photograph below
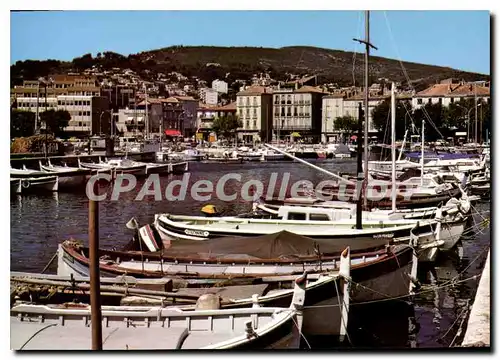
459, 332
427, 290
424, 111
466, 307
468, 266
300, 332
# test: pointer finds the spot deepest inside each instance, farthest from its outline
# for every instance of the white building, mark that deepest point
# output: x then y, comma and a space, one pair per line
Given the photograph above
220, 86
209, 96
446, 94
332, 108
89, 114
351, 107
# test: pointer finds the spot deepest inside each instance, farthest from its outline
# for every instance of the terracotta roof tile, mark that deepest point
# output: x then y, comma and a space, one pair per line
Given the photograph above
309, 89
255, 90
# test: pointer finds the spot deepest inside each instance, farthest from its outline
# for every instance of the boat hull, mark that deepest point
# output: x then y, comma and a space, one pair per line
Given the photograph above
382, 279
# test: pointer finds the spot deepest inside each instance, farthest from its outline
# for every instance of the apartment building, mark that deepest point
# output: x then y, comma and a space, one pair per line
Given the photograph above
448, 93
209, 96
297, 111
332, 108
351, 107
254, 108
89, 114
220, 86
206, 117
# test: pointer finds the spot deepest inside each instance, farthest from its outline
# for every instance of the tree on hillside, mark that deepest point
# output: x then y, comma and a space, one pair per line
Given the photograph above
56, 120
226, 126
22, 123
346, 124
381, 119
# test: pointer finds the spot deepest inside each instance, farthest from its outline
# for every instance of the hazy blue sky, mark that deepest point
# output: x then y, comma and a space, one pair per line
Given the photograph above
459, 39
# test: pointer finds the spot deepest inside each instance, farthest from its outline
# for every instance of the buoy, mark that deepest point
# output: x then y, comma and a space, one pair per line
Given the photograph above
209, 210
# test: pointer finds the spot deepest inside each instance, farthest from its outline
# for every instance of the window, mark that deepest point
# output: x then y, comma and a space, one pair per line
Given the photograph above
419, 101
452, 100
255, 124
440, 100
296, 216
429, 101
319, 217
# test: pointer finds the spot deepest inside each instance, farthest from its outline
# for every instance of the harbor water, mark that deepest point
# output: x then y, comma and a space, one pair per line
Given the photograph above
40, 222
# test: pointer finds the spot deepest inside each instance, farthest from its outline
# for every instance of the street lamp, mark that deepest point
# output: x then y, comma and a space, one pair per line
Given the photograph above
468, 116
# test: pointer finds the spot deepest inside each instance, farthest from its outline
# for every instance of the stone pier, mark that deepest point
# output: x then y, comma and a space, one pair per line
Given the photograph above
478, 327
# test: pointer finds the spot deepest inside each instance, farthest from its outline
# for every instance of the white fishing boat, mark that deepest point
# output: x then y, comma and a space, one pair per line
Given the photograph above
42, 327
118, 166
35, 184
178, 227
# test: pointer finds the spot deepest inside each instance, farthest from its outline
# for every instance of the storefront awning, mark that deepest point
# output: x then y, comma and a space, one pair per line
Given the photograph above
139, 119
172, 132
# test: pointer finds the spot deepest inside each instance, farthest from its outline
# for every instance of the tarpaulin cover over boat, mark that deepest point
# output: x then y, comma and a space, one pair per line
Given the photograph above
279, 245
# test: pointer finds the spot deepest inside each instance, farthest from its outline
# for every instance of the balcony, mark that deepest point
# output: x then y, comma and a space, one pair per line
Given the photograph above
295, 127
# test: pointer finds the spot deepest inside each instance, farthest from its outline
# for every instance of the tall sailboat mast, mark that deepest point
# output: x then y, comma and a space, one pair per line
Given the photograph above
367, 43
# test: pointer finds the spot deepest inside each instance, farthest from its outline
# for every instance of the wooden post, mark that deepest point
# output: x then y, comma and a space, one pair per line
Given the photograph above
95, 291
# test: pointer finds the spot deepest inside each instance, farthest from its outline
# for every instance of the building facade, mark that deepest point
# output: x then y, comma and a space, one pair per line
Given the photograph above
297, 112
189, 114
448, 93
209, 96
332, 108
90, 115
220, 86
351, 107
254, 108
206, 117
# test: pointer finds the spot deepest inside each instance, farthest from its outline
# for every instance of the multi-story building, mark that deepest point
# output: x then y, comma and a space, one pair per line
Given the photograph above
351, 107
119, 96
297, 112
89, 114
254, 108
131, 122
189, 110
206, 117
220, 86
332, 108
209, 96
448, 93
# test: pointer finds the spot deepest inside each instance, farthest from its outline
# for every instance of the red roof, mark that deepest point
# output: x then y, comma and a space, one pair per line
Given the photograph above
172, 132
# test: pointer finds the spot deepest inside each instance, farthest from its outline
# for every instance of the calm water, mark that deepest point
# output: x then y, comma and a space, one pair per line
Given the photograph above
39, 223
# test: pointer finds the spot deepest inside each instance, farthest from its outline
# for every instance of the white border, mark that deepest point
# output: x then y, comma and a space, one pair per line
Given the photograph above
202, 5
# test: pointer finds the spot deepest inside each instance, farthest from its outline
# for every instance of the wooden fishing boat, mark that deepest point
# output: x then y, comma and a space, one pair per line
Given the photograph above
41, 327
382, 274
35, 184
177, 227
117, 166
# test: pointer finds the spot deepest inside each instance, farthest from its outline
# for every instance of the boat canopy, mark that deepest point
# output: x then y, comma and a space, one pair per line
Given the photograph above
281, 245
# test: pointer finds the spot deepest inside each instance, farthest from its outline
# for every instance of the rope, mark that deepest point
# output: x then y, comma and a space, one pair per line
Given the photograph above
424, 111
300, 332
36, 333
458, 332
397, 297
50, 262
458, 317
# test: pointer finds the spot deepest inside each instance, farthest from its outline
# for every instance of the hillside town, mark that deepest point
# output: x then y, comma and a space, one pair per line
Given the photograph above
118, 102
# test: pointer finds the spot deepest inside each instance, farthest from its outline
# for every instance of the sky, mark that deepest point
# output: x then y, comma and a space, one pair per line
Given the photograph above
457, 39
